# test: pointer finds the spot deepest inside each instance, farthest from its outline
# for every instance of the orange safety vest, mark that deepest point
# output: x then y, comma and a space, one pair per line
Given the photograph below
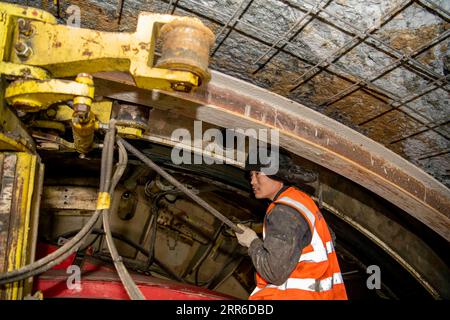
317, 275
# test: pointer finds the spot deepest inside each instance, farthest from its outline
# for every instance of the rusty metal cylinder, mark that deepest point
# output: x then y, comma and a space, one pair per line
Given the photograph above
83, 134
186, 43
83, 120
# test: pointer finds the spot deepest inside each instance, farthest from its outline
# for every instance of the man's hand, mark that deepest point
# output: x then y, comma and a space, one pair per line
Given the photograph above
247, 237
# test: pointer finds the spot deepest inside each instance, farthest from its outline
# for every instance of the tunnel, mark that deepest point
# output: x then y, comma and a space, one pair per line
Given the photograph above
354, 91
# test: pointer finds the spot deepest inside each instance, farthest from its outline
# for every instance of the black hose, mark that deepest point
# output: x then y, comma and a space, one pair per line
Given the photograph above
153, 225
52, 259
131, 243
103, 163
153, 228
180, 186
130, 286
68, 248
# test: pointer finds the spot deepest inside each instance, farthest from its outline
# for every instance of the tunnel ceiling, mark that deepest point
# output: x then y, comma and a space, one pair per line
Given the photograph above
377, 66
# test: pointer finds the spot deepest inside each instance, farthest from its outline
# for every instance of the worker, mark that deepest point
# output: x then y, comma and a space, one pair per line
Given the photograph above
296, 257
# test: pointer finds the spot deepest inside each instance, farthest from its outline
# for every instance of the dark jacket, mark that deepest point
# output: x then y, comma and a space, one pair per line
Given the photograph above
287, 234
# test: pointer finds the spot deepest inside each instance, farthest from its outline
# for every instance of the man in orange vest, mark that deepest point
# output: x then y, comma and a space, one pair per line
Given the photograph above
296, 257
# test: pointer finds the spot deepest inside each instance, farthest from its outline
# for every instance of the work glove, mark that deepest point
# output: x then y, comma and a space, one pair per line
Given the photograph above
247, 237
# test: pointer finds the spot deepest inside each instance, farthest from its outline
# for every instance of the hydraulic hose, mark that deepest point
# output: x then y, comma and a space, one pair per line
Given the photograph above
130, 286
180, 186
68, 248
153, 225
132, 244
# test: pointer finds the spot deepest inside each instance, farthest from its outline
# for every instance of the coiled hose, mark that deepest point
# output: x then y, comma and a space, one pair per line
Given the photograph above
70, 246
107, 184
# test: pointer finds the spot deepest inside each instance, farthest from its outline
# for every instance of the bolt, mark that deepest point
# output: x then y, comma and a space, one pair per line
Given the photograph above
25, 27
51, 113
85, 78
20, 47
81, 112
84, 75
155, 95
22, 50
181, 86
21, 113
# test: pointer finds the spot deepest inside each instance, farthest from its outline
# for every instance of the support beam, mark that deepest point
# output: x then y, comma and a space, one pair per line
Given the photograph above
229, 102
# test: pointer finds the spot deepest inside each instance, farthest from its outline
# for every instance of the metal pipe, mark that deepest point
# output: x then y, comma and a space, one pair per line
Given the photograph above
83, 120
130, 286
180, 186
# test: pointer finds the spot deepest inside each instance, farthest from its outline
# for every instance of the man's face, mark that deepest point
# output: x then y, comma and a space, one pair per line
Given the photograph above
264, 187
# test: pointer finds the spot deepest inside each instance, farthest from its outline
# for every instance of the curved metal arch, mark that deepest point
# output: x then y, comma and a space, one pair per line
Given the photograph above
230, 102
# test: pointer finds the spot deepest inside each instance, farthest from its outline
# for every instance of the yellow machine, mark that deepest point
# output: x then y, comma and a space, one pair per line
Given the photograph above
35, 55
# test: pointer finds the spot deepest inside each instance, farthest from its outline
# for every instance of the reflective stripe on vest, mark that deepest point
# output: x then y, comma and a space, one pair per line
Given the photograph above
300, 207
319, 254
311, 277
309, 284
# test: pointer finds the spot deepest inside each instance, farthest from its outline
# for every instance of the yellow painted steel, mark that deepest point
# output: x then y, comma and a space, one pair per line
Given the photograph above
13, 134
47, 124
22, 167
65, 51
9, 15
181, 52
83, 134
83, 120
128, 132
23, 71
36, 49
102, 110
10, 144
35, 95
63, 113
103, 201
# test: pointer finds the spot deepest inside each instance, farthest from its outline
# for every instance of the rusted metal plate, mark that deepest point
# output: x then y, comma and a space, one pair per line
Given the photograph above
79, 198
8, 165
18, 183
231, 103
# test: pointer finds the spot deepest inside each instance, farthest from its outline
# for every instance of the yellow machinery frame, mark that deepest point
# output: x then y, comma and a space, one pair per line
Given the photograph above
34, 50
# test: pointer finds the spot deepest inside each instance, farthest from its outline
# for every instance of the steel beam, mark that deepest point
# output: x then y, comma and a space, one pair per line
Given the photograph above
230, 103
